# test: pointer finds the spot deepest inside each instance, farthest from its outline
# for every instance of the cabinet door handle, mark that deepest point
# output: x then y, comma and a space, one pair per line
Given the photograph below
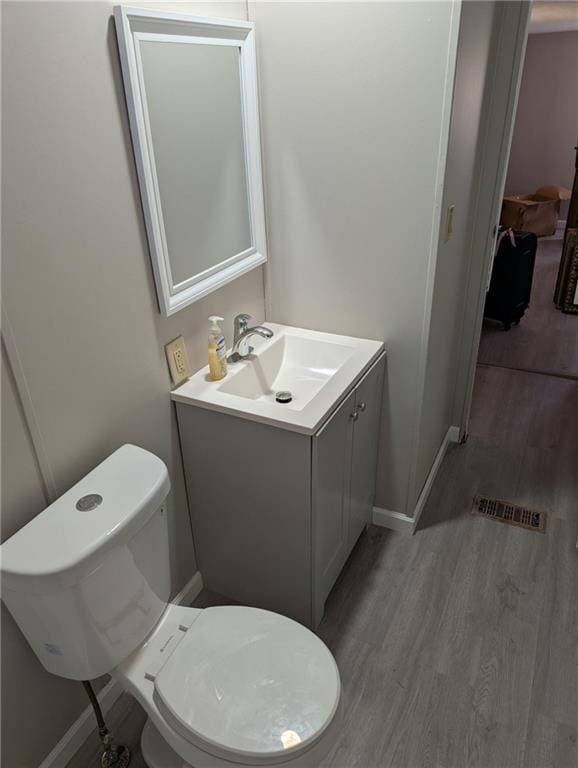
362, 407
354, 416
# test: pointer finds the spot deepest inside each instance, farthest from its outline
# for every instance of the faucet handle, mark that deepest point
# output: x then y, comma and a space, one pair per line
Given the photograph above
241, 320
240, 324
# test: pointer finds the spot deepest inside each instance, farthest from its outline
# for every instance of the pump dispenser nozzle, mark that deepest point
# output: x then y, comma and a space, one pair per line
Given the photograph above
215, 320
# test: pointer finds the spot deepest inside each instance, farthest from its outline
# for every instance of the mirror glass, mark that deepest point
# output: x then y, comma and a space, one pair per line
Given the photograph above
194, 109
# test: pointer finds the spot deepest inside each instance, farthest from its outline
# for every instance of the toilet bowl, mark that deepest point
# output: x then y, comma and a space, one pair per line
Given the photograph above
87, 581
231, 686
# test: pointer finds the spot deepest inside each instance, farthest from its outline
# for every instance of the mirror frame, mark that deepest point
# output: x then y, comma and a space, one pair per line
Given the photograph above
130, 25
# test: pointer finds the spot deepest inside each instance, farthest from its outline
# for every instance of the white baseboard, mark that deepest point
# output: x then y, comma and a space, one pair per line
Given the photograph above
451, 436
81, 729
191, 590
397, 521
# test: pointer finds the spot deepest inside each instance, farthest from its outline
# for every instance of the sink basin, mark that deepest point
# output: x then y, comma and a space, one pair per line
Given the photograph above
297, 364
316, 368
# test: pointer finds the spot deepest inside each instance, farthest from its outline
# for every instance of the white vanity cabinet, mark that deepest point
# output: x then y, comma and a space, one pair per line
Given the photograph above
344, 461
275, 513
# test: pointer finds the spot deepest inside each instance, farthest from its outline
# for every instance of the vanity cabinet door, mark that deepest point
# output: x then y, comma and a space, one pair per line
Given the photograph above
331, 465
368, 394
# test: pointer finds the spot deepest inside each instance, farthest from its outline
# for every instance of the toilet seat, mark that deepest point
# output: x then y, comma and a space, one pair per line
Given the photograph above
203, 673
248, 686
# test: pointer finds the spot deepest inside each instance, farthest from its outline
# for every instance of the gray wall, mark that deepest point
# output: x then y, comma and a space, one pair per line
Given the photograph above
451, 268
352, 103
78, 289
29, 693
546, 127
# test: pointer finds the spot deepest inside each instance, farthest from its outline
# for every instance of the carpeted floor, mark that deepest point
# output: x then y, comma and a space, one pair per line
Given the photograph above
546, 339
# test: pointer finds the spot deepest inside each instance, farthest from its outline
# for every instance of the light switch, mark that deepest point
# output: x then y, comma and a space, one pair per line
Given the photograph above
449, 223
178, 360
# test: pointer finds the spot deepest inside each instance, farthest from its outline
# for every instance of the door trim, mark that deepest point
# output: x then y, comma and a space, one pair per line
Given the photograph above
497, 126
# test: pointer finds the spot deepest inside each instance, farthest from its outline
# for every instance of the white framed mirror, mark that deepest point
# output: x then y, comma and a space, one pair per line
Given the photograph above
191, 92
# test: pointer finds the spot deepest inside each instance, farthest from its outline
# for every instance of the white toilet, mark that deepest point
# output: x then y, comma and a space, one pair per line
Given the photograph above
88, 581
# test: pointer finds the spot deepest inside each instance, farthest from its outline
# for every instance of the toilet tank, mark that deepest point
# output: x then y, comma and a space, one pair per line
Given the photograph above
89, 578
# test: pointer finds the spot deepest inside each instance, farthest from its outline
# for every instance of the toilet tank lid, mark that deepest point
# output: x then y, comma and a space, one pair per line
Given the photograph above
107, 507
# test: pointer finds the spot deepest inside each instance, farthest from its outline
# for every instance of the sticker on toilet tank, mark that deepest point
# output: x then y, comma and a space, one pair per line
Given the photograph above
56, 650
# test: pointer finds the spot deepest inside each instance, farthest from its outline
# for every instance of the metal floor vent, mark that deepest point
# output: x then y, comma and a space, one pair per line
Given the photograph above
509, 513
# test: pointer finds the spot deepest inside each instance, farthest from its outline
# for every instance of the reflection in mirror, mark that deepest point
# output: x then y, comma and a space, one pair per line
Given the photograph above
191, 90
193, 99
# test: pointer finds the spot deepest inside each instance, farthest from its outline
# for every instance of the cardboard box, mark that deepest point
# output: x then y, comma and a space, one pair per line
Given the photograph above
536, 213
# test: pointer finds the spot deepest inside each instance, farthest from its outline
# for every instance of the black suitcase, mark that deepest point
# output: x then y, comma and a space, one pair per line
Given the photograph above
512, 273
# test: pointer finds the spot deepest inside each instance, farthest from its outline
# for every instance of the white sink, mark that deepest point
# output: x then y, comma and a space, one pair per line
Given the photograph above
316, 368
293, 363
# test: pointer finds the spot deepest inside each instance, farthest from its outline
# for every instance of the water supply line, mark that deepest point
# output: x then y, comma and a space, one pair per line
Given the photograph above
112, 755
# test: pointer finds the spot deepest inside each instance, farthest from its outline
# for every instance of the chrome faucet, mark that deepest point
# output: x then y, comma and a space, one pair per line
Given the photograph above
242, 332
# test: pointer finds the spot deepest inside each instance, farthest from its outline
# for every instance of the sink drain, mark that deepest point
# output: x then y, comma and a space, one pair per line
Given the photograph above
283, 397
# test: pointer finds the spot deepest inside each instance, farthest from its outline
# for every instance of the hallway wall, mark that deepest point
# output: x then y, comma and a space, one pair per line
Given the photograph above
546, 128
474, 51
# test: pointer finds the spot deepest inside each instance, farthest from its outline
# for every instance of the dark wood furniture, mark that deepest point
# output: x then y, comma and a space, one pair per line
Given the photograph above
566, 293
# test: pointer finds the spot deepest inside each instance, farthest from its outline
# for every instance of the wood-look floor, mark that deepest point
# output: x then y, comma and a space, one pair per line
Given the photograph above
546, 339
458, 647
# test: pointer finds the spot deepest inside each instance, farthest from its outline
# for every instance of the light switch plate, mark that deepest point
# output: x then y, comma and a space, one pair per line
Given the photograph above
449, 223
178, 360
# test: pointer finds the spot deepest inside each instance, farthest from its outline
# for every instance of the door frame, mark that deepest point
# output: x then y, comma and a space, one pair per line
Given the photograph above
503, 81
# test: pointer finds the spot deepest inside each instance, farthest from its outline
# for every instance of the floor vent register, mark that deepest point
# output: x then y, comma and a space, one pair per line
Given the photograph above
505, 512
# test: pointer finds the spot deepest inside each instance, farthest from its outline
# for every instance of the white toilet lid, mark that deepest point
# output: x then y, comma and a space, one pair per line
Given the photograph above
249, 684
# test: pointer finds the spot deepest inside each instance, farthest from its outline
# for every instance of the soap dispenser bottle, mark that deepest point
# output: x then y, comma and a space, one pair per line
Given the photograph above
217, 350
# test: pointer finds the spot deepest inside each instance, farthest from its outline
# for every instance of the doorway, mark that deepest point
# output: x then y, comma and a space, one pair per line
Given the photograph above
539, 180
480, 344
520, 383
